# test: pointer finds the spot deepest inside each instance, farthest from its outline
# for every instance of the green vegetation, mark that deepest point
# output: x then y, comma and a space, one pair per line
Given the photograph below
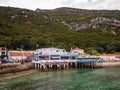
30, 29
73, 16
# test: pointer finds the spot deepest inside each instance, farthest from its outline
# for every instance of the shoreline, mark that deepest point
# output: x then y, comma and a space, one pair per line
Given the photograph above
25, 72
108, 64
14, 70
17, 74
14, 67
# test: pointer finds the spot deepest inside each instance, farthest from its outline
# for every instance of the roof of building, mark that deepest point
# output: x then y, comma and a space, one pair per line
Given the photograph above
52, 48
109, 54
20, 53
77, 48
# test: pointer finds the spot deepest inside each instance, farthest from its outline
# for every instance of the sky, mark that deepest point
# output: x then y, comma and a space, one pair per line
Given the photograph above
52, 4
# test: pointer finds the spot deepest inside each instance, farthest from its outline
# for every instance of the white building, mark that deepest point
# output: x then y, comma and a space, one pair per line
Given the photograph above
18, 55
51, 53
77, 51
110, 56
3, 51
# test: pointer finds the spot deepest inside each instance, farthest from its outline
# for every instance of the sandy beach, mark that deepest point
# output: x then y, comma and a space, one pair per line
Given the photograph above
108, 63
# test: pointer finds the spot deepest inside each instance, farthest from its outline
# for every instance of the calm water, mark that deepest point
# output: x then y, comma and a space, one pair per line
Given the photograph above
75, 79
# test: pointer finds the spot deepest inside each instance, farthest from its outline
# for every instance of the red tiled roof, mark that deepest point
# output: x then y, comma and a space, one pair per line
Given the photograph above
20, 53
77, 49
109, 54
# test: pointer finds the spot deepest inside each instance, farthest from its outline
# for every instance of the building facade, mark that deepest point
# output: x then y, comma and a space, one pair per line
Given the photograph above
19, 55
110, 56
77, 52
51, 53
3, 51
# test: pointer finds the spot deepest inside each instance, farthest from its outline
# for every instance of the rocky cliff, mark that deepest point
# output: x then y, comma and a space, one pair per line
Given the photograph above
96, 18
96, 22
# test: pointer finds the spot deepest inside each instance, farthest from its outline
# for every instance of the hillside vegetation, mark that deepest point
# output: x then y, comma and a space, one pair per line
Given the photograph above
54, 28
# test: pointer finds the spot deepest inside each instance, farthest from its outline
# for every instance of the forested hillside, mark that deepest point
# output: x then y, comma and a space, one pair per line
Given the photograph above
62, 27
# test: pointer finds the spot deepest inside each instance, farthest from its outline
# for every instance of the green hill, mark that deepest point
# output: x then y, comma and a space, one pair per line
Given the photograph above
60, 28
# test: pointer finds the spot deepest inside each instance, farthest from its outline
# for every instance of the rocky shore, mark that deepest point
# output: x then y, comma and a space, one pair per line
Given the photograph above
13, 70
16, 75
14, 67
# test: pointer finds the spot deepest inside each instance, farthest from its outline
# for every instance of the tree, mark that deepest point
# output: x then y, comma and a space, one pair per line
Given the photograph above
91, 50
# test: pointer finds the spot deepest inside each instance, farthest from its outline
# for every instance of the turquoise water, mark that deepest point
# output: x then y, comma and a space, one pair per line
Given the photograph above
74, 79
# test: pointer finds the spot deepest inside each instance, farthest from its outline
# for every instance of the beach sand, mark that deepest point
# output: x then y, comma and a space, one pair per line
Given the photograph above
109, 63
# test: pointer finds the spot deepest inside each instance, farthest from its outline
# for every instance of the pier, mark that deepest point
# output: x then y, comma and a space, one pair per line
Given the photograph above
47, 59
48, 65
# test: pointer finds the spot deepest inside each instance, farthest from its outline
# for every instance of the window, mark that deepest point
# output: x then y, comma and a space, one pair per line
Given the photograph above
3, 53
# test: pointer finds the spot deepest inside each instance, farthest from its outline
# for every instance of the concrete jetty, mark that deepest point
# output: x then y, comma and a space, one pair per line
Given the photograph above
47, 65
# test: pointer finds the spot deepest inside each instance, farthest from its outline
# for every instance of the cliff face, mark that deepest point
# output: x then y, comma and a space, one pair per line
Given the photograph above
96, 22
79, 19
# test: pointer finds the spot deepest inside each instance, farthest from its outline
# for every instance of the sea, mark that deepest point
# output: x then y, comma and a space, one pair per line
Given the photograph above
106, 78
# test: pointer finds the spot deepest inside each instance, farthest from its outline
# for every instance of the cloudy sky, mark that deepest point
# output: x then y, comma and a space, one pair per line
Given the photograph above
51, 4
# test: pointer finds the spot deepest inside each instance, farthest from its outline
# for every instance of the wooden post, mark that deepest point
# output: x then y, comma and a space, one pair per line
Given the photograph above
64, 66
38, 66
82, 65
75, 64
35, 65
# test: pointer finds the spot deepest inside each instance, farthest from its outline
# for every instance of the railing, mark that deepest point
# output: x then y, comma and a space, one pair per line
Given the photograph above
69, 60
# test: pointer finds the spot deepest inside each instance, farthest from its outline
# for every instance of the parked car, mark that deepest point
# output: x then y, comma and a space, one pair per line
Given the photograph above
16, 60
4, 60
29, 58
10, 60
7, 60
